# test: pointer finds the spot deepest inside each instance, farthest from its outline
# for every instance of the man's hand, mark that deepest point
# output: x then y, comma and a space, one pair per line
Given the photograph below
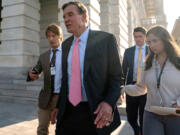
104, 115
33, 76
54, 116
122, 97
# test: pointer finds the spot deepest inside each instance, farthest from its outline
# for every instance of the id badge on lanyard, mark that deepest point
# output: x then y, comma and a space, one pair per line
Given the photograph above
53, 70
158, 77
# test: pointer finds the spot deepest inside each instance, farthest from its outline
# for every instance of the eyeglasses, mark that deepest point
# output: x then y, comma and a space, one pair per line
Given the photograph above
148, 42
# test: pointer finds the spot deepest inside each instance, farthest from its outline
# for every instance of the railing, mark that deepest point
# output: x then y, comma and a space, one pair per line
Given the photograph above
154, 20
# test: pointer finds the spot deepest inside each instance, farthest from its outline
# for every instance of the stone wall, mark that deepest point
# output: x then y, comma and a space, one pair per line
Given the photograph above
48, 14
19, 49
114, 19
20, 33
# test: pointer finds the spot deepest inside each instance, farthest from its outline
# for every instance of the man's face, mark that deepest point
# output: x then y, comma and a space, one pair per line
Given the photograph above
53, 39
73, 21
139, 38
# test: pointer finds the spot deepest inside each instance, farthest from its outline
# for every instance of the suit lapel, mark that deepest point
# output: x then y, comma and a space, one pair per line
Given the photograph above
87, 56
47, 59
65, 51
132, 56
66, 47
146, 50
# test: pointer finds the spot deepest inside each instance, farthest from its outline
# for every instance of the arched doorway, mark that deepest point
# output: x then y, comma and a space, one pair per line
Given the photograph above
48, 14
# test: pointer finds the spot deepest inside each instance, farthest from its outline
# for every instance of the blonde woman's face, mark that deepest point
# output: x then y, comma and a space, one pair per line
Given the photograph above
155, 44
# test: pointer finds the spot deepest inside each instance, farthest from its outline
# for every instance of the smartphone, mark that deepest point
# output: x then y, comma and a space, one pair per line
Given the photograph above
36, 71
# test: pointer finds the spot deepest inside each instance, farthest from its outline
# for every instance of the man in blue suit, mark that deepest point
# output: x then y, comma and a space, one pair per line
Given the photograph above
135, 105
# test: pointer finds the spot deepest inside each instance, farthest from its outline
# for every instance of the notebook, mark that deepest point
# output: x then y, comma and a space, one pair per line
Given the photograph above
165, 110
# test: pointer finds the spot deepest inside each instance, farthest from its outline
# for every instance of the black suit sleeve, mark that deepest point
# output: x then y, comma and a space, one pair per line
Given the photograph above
125, 65
115, 76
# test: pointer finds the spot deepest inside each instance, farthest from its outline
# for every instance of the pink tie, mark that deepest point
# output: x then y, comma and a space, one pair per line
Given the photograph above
75, 96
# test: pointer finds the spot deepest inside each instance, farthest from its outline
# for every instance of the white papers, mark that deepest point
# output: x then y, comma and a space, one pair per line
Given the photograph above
165, 110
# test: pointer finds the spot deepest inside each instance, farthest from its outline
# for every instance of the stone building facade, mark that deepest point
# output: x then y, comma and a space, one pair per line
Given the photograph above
23, 23
176, 31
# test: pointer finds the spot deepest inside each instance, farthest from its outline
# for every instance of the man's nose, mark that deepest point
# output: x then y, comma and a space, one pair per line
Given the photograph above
50, 38
66, 19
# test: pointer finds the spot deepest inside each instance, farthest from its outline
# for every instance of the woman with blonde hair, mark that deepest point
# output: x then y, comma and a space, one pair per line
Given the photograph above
161, 80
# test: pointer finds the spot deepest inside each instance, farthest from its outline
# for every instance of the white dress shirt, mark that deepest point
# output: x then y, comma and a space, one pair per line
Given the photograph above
58, 65
143, 52
82, 48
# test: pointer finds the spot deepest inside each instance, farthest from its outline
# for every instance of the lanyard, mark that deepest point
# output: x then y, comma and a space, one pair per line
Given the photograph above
159, 77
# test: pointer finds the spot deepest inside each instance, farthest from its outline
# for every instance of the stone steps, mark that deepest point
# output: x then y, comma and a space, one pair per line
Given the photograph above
20, 91
19, 96
21, 82
16, 99
20, 87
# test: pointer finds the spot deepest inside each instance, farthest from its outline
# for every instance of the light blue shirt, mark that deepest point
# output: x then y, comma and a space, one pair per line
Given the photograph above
58, 65
82, 47
143, 52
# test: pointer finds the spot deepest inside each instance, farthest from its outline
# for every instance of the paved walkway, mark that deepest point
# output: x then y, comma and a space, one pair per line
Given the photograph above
21, 119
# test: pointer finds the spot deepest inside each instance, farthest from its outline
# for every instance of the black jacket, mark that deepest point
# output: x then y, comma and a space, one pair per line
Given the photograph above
102, 75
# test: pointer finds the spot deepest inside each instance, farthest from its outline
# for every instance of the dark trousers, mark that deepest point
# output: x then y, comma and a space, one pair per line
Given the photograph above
76, 121
134, 108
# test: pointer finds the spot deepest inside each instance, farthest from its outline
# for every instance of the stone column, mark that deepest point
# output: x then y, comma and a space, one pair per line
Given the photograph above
93, 8
106, 15
130, 26
48, 14
20, 36
114, 20
19, 49
136, 12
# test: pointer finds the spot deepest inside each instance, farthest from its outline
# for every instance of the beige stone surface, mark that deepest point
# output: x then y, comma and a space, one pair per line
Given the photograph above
20, 21
23, 128
20, 9
33, 3
21, 119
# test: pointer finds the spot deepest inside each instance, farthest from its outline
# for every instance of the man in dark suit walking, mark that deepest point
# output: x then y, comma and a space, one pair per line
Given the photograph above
132, 65
49, 64
92, 78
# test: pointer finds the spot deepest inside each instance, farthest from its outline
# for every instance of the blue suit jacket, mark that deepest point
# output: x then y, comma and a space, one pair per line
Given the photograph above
128, 64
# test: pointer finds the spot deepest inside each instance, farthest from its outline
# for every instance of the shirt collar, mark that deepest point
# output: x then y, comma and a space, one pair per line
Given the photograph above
84, 35
58, 49
143, 47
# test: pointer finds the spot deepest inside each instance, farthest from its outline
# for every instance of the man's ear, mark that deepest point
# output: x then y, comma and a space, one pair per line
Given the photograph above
85, 17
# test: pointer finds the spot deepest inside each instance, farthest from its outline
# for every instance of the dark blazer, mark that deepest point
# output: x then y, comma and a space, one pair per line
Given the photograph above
46, 92
102, 75
128, 63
